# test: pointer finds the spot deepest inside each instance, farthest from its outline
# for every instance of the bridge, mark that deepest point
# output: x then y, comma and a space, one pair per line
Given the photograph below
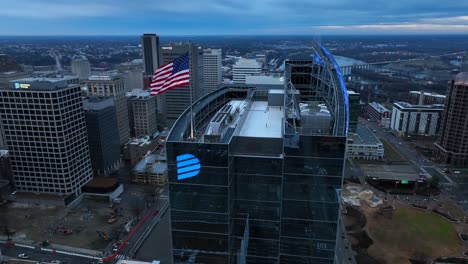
375, 66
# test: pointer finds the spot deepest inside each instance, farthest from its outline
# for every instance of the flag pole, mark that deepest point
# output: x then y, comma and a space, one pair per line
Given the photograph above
192, 132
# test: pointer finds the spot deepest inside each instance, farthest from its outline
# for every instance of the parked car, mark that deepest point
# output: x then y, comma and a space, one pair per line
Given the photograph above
23, 256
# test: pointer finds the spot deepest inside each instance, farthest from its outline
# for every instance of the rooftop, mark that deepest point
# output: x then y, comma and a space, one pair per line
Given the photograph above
140, 141
152, 163
380, 108
428, 94
249, 63
103, 77
264, 79
97, 103
263, 121
408, 106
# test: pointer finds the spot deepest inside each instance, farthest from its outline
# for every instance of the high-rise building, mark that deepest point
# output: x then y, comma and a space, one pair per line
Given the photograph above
45, 132
103, 134
425, 98
112, 86
212, 69
2, 135
416, 119
151, 57
452, 146
81, 68
177, 100
142, 113
133, 74
243, 68
5, 166
256, 177
354, 110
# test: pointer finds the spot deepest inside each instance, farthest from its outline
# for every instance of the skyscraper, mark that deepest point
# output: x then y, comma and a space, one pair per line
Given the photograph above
452, 146
45, 132
258, 180
245, 67
103, 134
151, 58
212, 69
112, 86
142, 111
176, 101
81, 68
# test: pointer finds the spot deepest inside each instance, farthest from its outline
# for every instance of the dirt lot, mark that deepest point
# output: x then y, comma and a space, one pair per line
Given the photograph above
39, 223
397, 233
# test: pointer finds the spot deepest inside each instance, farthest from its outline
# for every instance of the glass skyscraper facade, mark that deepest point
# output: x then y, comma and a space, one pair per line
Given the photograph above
267, 187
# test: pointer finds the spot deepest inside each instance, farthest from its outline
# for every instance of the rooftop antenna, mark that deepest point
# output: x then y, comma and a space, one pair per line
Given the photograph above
192, 129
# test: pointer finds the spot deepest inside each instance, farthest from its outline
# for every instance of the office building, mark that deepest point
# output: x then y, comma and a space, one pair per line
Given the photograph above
212, 69
112, 86
354, 110
103, 134
81, 68
45, 132
133, 74
416, 119
177, 100
377, 111
452, 146
151, 57
245, 67
5, 166
257, 180
2, 135
142, 113
6, 77
363, 144
425, 98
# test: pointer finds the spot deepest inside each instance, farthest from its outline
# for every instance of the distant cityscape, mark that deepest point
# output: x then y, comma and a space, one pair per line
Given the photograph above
281, 149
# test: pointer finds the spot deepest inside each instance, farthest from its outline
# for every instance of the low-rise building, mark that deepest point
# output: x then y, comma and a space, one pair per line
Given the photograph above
377, 111
152, 169
425, 98
416, 119
137, 148
364, 145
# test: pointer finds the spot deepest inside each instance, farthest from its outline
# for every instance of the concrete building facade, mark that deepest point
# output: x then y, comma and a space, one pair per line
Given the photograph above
212, 69
81, 68
112, 86
142, 113
452, 146
377, 111
245, 67
363, 144
416, 119
45, 132
425, 98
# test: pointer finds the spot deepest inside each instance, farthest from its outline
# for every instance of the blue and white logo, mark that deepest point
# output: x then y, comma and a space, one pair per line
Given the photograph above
187, 166
17, 85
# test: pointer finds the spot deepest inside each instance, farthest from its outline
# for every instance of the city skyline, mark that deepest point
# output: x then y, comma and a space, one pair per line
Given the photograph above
298, 17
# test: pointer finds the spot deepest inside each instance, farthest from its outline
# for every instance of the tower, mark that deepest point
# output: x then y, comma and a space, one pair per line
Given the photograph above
112, 86
151, 58
452, 146
45, 132
212, 69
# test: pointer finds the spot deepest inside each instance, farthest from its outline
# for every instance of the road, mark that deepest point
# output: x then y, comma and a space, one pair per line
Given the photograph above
35, 253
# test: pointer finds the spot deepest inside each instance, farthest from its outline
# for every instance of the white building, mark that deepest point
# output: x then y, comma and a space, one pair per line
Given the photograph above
416, 119
364, 145
212, 69
81, 68
112, 86
243, 68
45, 131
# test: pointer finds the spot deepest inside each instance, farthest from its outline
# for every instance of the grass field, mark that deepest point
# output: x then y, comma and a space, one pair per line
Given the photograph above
415, 233
390, 152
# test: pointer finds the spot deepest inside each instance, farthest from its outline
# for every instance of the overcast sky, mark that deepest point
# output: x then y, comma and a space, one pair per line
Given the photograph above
232, 17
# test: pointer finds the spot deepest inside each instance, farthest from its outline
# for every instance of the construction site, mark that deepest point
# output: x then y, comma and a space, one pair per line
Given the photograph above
91, 224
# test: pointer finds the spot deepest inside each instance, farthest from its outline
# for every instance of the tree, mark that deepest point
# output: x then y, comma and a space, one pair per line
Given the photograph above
434, 181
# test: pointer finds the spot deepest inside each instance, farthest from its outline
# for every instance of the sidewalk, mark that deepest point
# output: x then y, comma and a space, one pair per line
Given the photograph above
54, 246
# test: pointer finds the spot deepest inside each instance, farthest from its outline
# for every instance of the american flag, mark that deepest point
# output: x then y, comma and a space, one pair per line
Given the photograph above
171, 75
